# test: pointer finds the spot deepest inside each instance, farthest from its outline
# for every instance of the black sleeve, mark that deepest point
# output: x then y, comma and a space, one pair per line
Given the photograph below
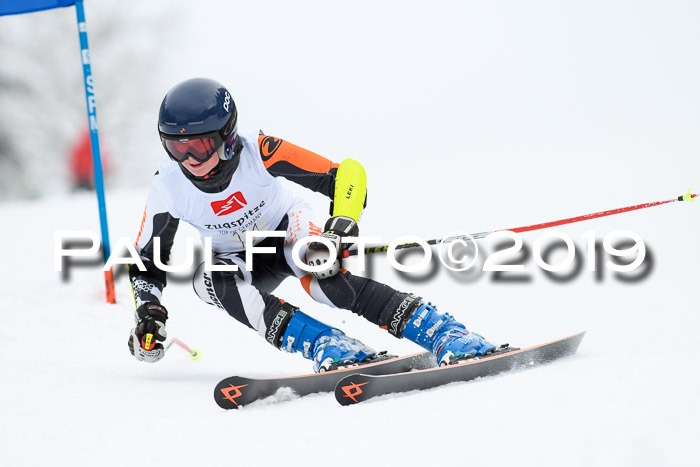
148, 285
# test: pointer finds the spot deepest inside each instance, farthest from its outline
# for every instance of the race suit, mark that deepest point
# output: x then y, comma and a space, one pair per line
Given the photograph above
256, 200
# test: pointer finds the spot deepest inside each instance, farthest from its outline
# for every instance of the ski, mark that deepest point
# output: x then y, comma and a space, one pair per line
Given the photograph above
237, 391
360, 386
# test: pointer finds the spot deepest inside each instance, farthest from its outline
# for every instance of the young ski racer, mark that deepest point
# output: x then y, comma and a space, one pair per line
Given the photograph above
226, 184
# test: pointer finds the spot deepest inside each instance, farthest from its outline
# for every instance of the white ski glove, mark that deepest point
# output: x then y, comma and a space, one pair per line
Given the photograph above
150, 329
318, 253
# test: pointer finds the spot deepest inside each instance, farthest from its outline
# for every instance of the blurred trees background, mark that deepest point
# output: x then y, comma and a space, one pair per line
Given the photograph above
42, 98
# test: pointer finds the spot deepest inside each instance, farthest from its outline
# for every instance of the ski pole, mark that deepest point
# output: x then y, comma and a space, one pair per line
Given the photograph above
477, 236
194, 353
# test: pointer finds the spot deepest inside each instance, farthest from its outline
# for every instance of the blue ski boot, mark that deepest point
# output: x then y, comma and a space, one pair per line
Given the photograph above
439, 333
328, 347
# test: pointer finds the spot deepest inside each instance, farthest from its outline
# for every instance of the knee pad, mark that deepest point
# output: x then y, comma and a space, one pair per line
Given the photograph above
342, 290
203, 285
203, 281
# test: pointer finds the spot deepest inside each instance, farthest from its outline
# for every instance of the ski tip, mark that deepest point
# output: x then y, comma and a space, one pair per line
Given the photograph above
230, 394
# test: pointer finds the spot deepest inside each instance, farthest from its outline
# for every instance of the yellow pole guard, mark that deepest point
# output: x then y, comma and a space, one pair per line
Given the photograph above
350, 189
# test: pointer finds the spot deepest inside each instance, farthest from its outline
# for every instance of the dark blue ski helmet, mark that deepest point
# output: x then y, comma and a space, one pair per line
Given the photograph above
198, 117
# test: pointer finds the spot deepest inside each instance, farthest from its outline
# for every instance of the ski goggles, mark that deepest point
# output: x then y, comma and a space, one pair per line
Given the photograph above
200, 147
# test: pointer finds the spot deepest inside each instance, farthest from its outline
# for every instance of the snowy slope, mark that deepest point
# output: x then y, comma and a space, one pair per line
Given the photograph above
467, 116
70, 383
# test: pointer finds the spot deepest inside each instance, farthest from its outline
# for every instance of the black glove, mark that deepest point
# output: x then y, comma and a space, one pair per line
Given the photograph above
318, 253
150, 328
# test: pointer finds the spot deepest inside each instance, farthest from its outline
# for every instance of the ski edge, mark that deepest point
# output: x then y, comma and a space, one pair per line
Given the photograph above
343, 398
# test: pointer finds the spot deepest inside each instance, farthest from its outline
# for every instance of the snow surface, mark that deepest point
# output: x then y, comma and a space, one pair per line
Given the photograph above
73, 395
467, 116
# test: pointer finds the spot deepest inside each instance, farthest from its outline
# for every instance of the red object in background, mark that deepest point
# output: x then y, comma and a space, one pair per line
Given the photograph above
81, 162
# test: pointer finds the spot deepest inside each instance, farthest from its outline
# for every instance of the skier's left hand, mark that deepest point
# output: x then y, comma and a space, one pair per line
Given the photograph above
336, 228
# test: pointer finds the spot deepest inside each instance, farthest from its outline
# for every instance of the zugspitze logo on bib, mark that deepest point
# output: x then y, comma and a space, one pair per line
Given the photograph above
233, 203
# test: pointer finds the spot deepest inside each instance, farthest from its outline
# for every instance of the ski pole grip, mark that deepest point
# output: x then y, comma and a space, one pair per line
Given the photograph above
147, 341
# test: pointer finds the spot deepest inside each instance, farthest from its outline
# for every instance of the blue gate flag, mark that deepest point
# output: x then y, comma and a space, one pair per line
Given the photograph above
16, 7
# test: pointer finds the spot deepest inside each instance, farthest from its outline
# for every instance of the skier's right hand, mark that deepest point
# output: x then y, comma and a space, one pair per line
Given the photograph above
150, 328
